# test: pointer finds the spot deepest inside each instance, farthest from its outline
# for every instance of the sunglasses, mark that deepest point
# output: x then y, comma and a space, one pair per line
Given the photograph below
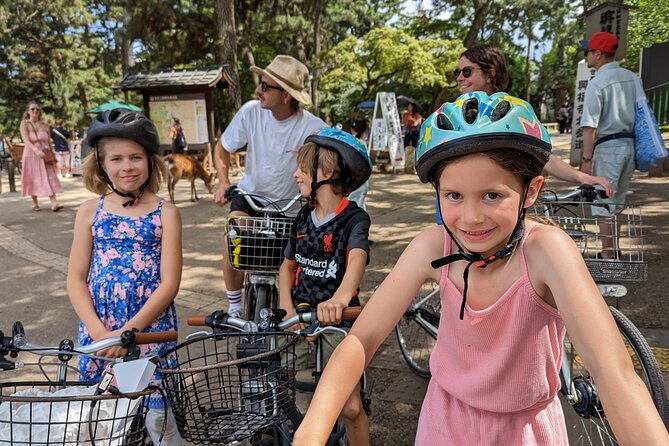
466, 71
264, 86
33, 109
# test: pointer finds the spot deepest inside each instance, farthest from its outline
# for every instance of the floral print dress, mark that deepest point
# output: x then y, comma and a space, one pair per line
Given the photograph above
125, 271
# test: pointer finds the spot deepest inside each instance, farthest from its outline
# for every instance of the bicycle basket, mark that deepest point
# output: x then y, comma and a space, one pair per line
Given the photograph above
257, 243
627, 263
230, 386
46, 413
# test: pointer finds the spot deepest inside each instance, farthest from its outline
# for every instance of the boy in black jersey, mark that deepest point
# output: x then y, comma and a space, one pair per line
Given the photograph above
329, 246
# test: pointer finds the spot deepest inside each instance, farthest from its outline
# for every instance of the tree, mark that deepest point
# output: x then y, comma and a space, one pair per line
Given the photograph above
225, 19
647, 25
385, 59
52, 52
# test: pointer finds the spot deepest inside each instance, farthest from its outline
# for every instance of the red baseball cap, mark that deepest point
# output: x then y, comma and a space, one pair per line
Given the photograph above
601, 41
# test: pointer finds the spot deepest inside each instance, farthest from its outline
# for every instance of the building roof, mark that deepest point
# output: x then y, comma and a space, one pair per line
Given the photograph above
209, 77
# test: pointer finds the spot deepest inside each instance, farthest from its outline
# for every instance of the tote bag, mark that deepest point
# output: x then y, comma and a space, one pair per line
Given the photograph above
648, 143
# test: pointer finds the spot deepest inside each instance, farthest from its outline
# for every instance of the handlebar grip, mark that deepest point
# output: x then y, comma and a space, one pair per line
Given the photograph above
351, 313
156, 337
197, 320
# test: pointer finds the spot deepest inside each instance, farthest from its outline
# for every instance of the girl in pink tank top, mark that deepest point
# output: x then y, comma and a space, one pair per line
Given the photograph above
509, 287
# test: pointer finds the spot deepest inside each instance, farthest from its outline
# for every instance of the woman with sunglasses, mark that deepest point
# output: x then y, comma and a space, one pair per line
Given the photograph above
38, 178
484, 68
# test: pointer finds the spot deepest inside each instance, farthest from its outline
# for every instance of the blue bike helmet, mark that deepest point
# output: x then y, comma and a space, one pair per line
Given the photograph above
355, 166
124, 123
476, 123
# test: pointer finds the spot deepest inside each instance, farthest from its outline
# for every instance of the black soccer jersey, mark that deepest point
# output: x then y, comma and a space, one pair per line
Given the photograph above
321, 252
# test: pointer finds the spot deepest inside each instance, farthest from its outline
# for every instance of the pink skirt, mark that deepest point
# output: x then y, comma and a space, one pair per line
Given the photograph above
37, 178
445, 420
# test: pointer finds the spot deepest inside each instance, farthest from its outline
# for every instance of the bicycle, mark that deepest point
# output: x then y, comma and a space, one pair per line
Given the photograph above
238, 381
68, 412
416, 331
572, 213
255, 246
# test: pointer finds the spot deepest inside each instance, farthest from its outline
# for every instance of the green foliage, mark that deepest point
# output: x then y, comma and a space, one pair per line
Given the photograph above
647, 25
385, 59
51, 53
68, 54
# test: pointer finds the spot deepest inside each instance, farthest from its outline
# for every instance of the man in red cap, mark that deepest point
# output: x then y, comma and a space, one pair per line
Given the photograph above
608, 126
271, 128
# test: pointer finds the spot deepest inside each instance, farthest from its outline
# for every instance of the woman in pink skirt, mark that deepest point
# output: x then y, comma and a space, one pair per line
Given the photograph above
38, 179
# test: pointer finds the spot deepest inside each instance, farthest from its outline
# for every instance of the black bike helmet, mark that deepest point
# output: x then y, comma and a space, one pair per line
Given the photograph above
356, 166
124, 123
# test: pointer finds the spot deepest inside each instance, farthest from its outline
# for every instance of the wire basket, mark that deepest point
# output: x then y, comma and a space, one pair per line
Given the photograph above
231, 386
257, 243
605, 263
43, 413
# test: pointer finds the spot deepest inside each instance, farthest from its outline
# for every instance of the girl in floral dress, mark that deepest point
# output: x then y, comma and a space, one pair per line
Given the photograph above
126, 259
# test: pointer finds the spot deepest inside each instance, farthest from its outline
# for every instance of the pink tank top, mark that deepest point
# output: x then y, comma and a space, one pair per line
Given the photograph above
504, 358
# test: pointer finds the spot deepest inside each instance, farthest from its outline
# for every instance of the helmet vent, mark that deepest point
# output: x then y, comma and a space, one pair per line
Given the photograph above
500, 111
443, 122
470, 110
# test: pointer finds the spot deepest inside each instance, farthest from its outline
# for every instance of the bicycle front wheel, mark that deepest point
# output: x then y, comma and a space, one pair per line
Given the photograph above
585, 417
417, 330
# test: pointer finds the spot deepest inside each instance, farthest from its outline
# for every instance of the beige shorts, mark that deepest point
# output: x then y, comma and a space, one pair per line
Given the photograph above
305, 351
614, 160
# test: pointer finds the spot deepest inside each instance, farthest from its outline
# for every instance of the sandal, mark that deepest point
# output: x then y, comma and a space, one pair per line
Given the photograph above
36, 208
57, 208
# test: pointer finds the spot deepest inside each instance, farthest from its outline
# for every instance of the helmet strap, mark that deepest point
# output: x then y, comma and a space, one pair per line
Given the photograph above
133, 199
314, 175
475, 258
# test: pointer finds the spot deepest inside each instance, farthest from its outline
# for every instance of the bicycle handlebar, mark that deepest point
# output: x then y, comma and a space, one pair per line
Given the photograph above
126, 339
219, 319
586, 192
270, 208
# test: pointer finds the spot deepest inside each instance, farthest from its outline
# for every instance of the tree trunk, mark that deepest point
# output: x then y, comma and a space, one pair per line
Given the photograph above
528, 61
480, 13
252, 61
318, 12
126, 42
227, 54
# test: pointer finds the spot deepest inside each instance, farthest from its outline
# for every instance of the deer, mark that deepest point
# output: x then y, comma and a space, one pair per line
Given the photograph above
186, 166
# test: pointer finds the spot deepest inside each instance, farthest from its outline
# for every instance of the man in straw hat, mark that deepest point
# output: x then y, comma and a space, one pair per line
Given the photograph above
272, 128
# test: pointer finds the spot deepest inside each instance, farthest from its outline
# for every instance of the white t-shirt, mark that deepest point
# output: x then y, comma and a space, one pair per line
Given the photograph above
271, 154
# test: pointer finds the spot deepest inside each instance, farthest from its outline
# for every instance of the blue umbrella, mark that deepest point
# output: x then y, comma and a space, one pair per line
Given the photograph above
366, 104
110, 105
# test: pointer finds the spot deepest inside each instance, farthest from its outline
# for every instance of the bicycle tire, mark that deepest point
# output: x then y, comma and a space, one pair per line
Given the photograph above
414, 340
262, 300
590, 426
249, 302
654, 380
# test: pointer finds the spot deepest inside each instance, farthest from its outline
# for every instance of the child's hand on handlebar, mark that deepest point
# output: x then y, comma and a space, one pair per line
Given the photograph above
330, 312
113, 352
290, 312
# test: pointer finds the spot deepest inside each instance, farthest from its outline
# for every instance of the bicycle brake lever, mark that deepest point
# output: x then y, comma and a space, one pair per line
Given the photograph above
231, 192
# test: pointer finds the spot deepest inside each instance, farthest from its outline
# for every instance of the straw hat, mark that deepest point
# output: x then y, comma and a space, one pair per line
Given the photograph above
290, 74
